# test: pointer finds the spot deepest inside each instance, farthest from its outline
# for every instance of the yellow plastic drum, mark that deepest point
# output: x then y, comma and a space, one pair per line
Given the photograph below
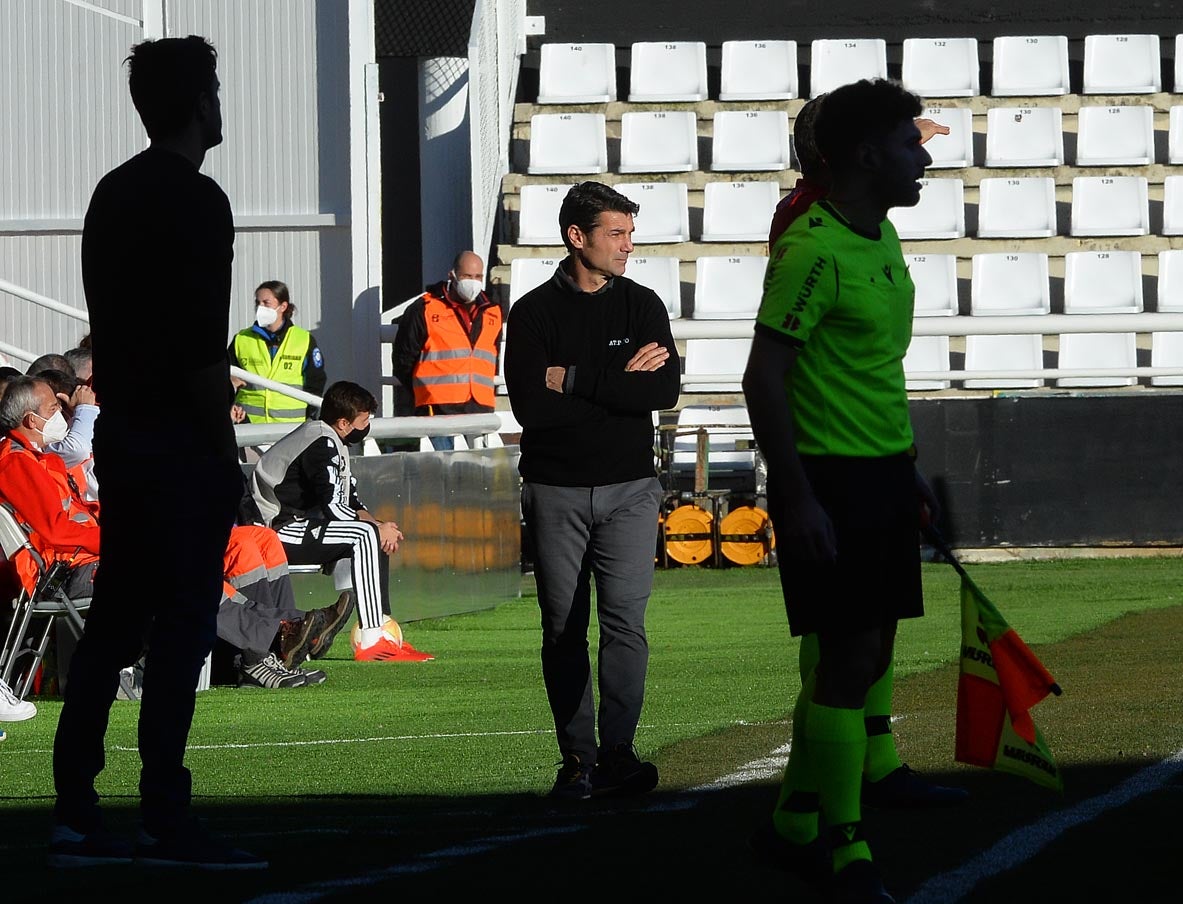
689, 526
745, 520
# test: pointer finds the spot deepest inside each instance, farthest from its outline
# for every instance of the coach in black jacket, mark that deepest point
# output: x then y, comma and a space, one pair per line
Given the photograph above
589, 358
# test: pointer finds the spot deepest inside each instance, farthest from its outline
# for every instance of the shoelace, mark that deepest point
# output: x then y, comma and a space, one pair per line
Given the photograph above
8, 696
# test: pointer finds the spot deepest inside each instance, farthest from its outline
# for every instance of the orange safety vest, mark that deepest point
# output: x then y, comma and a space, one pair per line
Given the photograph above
453, 367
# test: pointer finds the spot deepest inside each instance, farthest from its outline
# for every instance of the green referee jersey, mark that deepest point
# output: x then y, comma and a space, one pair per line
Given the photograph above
845, 300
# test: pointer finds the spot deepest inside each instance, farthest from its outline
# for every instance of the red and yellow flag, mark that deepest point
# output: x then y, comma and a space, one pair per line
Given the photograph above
1001, 679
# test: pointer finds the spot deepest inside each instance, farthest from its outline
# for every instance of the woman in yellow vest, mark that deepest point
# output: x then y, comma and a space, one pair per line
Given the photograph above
276, 348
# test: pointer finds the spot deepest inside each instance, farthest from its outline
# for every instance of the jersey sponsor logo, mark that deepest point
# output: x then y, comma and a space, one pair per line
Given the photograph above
791, 321
1026, 756
616, 343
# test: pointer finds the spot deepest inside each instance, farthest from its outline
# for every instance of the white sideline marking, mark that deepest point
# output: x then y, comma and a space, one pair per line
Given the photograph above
757, 770
1023, 844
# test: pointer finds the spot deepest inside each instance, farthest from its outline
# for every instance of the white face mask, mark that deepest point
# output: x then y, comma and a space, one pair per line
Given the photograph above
55, 428
265, 316
467, 289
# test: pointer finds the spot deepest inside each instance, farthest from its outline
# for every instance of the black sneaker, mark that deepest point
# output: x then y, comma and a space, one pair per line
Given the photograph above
902, 788
69, 849
336, 617
573, 781
270, 673
313, 676
809, 862
192, 846
296, 637
621, 773
859, 883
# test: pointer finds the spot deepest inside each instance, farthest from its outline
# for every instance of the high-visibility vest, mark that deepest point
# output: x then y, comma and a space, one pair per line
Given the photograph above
451, 368
266, 406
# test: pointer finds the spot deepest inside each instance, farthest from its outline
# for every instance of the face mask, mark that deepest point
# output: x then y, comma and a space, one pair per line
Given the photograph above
55, 428
467, 289
355, 436
265, 316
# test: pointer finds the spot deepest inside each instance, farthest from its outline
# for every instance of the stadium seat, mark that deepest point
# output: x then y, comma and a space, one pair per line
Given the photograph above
926, 354
1010, 284
746, 140
1179, 64
758, 70
834, 62
665, 211
939, 215
941, 67
1110, 205
661, 275
728, 288
526, 273
1005, 352
1030, 65
1170, 281
1103, 282
738, 211
659, 141
568, 143
716, 357
1166, 350
1018, 208
726, 425
1079, 351
1115, 136
1122, 64
957, 148
1175, 136
1024, 136
538, 219
935, 278
668, 71
577, 74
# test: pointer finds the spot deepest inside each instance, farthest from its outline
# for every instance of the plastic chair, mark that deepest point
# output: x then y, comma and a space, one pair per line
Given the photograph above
1122, 64
758, 70
1024, 136
935, 278
1005, 352
1166, 350
941, 67
568, 143
659, 141
1175, 136
835, 62
1018, 208
747, 140
726, 426
1179, 64
926, 354
661, 274
1080, 351
528, 273
538, 217
715, 357
1103, 282
1110, 205
665, 71
1010, 284
665, 211
729, 288
738, 211
1030, 65
1115, 136
577, 74
1170, 281
957, 148
939, 215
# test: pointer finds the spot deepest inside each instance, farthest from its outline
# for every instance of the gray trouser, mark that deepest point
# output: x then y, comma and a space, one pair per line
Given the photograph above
609, 531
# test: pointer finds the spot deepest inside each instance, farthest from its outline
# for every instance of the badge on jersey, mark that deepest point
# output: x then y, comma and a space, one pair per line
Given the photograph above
317, 359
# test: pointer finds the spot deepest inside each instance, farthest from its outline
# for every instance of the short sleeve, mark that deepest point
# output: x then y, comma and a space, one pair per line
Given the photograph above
800, 286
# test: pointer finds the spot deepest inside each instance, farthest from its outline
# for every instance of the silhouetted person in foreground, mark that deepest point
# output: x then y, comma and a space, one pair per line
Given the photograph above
164, 454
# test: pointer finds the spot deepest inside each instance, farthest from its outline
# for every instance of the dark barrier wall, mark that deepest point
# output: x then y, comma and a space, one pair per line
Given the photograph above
1056, 471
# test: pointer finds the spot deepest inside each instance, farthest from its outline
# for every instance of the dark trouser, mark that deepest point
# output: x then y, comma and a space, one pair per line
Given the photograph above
611, 532
322, 542
250, 619
166, 522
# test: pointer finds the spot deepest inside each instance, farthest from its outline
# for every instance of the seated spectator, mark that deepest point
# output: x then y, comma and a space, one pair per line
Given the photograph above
80, 410
80, 359
306, 493
51, 362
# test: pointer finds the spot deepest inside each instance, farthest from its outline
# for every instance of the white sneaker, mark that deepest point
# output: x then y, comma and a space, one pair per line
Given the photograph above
12, 709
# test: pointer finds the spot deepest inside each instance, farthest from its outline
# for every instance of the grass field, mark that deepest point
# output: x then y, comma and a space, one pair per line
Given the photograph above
399, 778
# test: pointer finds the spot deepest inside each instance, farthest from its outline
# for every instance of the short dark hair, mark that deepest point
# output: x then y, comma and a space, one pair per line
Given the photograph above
813, 167
280, 291
51, 362
584, 204
861, 111
346, 400
166, 77
59, 381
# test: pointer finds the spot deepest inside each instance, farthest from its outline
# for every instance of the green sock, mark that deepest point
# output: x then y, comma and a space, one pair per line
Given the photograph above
795, 816
882, 757
837, 745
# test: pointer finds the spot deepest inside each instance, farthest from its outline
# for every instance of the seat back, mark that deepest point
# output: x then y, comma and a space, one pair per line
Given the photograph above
1122, 64
1081, 351
659, 141
668, 71
941, 67
568, 143
1030, 65
527, 273
577, 74
538, 216
838, 61
1115, 136
726, 425
935, 278
1024, 136
939, 215
661, 274
729, 288
665, 211
957, 148
926, 354
1002, 353
1110, 205
1103, 282
1021, 207
1170, 281
1010, 283
750, 140
1175, 136
710, 357
738, 211
1166, 350
758, 70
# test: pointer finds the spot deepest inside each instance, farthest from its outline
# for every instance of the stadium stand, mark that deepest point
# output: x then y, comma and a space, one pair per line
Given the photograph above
1110, 205
758, 70
568, 143
939, 215
728, 288
1010, 284
927, 353
1103, 282
665, 213
1115, 136
1175, 136
750, 140
1122, 64
941, 67
658, 141
715, 357
835, 62
538, 221
1097, 350
577, 74
935, 278
1018, 208
1024, 136
955, 150
663, 72
1030, 65
738, 211
661, 275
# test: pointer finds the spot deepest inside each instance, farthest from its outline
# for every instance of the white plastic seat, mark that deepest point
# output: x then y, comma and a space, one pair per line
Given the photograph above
659, 141
1079, 351
758, 70
835, 62
957, 148
1030, 65
738, 211
716, 357
1175, 136
726, 425
1166, 350
939, 215
1115, 136
1110, 205
926, 354
527, 273
1005, 352
665, 211
935, 278
1010, 284
728, 288
538, 218
941, 67
1103, 282
747, 140
1179, 64
661, 274
1122, 64
668, 71
1019, 208
1024, 136
568, 143
577, 74
1170, 281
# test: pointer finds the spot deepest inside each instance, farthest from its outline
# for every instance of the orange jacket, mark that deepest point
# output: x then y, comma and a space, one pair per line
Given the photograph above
454, 367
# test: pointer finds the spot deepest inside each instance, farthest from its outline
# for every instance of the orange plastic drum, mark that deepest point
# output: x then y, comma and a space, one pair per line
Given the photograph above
749, 520
690, 525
